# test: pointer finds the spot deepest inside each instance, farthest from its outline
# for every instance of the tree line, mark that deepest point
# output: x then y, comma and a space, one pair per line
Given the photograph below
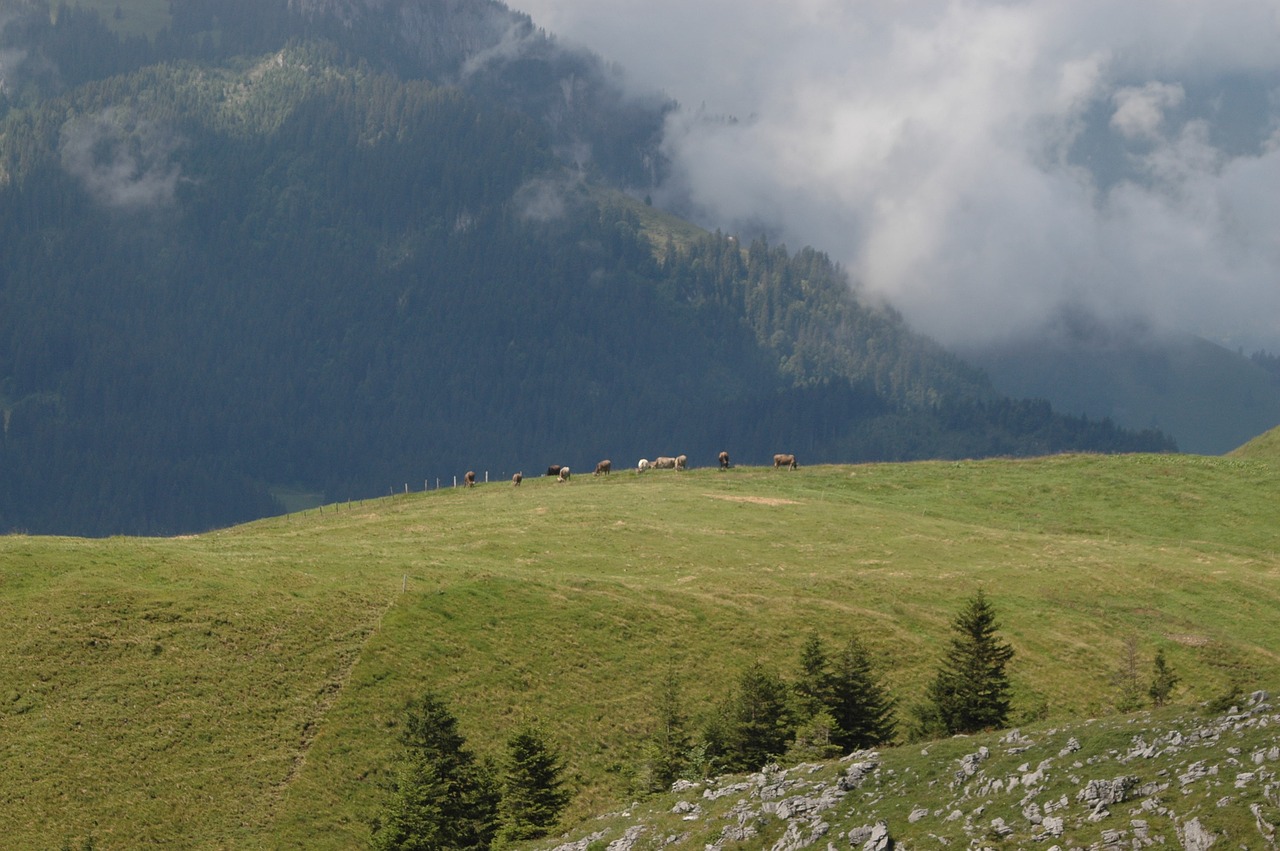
443, 798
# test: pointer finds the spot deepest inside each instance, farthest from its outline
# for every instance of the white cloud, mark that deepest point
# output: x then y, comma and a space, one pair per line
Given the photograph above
123, 161
1140, 109
981, 163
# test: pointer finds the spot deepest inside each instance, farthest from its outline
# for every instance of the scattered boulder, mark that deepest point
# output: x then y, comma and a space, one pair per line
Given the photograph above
628, 839
858, 772
969, 765
1194, 837
1106, 792
879, 840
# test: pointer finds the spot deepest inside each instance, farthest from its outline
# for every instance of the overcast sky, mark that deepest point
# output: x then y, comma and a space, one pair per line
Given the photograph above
981, 164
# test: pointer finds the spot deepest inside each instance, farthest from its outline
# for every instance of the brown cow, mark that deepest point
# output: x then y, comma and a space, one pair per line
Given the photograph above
470, 478
517, 478
604, 467
663, 462
553, 470
724, 460
788, 461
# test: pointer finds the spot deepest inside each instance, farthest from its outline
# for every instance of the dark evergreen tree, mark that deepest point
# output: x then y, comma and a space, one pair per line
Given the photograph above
533, 794
1126, 679
759, 720
1163, 679
862, 709
813, 690
442, 797
668, 748
971, 690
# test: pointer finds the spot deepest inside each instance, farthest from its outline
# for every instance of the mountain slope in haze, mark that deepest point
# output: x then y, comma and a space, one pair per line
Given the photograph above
246, 256
1209, 399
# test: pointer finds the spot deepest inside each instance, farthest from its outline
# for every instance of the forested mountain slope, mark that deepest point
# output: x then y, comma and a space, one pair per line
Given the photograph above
257, 251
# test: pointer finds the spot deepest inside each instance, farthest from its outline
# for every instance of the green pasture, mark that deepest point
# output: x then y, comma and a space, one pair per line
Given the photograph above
240, 689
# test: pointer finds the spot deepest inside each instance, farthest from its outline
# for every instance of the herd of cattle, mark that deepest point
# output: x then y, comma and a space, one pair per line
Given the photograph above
604, 468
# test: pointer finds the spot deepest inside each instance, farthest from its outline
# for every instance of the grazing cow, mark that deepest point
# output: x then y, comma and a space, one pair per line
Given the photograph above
604, 467
724, 460
664, 463
643, 465
788, 461
564, 475
517, 479
470, 478
681, 461
553, 470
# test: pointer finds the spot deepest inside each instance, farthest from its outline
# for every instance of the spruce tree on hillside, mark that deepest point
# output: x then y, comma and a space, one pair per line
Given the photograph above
533, 795
442, 798
1163, 679
759, 721
1128, 687
812, 697
814, 689
862, 709
971, 691
668, 748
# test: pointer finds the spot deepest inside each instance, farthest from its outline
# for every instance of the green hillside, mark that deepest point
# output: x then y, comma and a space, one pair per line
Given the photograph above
241, 688
1264, 447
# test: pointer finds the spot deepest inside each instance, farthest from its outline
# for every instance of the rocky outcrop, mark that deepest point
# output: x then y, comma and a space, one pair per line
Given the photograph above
1171, 785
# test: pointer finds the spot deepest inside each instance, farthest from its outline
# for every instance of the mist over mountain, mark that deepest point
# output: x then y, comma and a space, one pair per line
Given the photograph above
983, 165
346, 248
1211, 399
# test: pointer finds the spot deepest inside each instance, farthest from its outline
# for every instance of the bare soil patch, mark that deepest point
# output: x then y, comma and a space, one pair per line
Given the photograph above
754, 500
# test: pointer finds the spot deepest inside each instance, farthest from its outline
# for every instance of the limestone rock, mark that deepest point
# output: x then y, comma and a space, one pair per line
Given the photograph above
1194, 837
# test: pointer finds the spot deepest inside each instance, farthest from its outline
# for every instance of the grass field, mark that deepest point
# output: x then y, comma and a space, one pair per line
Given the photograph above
239, 689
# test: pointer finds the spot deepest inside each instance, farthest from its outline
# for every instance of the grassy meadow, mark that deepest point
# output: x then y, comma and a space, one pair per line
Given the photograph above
240, 689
